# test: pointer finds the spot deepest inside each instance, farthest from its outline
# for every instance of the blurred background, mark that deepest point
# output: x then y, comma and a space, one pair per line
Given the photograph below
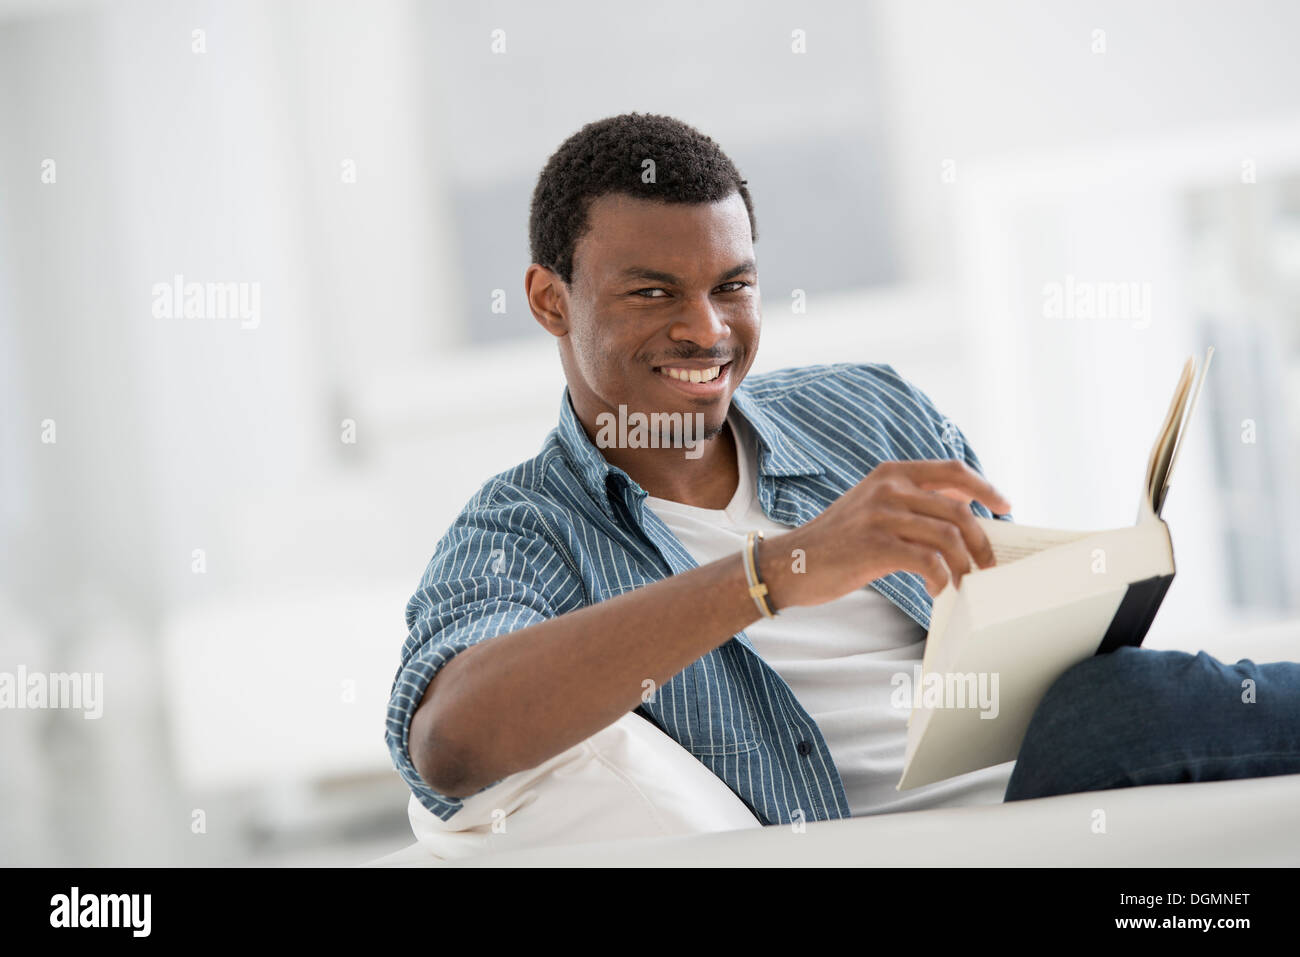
1033, 211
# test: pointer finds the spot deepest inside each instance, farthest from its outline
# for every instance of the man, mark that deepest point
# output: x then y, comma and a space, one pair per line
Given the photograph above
615, 571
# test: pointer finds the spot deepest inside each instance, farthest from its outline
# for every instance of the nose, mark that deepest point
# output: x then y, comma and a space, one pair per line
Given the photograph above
699, 322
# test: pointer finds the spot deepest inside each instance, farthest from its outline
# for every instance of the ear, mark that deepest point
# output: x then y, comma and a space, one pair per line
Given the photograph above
548, 299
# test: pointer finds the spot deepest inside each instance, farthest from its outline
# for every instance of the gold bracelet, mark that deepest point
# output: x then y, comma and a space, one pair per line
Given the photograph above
757, 589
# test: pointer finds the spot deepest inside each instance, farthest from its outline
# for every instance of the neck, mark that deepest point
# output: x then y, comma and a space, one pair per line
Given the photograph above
708, 481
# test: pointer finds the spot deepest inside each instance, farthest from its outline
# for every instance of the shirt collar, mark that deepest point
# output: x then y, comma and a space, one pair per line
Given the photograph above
778, 455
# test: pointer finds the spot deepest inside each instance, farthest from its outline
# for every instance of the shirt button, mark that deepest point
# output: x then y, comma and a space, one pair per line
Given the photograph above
805, 748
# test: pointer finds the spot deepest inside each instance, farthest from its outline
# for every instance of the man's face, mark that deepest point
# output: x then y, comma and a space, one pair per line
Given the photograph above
662, 294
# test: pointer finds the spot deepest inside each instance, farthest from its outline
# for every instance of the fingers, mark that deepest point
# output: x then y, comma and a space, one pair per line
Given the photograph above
957, 511
927, 563
950, 475
936, 535
923, 509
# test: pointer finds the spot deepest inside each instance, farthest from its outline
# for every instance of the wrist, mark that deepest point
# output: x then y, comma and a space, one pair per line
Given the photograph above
781, 567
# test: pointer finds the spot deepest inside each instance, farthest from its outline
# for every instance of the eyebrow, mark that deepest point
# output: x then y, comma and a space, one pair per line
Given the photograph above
644, 272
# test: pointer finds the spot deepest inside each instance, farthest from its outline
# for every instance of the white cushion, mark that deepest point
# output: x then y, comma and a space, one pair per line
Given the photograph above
629, 780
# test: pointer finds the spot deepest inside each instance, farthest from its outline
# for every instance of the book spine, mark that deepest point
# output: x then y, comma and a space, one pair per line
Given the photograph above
1135, 613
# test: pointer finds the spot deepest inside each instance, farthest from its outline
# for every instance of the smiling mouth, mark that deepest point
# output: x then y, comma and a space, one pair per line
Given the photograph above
684, 374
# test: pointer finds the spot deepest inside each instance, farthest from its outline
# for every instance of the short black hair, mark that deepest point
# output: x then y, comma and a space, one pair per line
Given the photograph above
607, 156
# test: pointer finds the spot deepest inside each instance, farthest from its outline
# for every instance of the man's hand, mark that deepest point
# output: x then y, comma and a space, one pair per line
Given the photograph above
905, 516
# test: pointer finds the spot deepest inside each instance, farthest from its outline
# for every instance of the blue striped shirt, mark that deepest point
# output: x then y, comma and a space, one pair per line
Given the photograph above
566, 529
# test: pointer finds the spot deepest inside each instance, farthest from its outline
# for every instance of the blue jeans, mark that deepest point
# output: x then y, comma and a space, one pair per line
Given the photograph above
1139, 716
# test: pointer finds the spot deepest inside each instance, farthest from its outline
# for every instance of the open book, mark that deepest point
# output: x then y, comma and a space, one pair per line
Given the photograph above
1054, 598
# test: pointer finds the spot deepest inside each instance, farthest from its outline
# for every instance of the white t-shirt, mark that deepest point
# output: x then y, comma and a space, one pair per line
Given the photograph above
838, 657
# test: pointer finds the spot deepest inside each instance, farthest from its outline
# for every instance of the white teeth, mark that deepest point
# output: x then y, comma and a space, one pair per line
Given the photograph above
693, 375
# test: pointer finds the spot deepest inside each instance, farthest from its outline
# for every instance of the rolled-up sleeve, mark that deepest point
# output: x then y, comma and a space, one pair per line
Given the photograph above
502, 566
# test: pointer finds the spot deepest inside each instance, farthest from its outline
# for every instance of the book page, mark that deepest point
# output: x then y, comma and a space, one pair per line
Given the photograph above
1163, 450
1012, 542
1159, 502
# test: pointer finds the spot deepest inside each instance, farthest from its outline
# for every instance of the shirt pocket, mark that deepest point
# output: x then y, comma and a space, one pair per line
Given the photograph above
724, 720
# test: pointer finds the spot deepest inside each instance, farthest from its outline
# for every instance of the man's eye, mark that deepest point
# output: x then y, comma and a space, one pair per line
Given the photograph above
649, 290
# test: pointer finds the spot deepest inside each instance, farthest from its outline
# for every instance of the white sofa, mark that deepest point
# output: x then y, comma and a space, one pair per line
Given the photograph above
1253, 823
630, 796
